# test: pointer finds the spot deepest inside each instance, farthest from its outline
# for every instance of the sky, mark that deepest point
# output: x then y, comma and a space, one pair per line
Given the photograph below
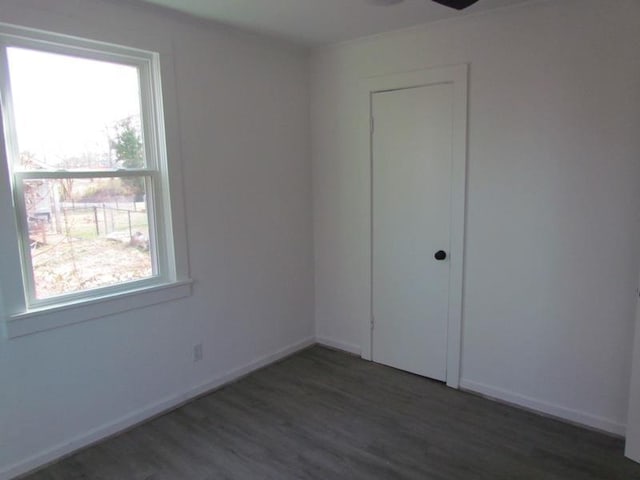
65, 106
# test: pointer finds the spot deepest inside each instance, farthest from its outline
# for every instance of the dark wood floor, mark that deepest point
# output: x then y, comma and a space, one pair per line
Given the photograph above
326, 415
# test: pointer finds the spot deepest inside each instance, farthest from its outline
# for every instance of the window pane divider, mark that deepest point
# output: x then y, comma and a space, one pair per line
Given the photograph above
53, 174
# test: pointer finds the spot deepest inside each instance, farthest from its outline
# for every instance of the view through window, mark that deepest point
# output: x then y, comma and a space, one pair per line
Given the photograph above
83, 180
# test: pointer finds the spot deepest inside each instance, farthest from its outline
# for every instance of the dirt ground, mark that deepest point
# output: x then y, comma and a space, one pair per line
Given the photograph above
67, 265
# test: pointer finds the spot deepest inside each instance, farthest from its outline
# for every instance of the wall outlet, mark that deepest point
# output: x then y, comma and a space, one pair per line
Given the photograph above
197, 352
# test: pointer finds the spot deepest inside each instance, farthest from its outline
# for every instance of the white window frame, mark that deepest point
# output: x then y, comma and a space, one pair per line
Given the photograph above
23, 312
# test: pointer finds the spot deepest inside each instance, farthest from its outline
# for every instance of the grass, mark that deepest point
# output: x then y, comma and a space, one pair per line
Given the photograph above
81, 260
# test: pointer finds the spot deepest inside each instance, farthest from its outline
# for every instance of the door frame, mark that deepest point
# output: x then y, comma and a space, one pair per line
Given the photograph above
457, 76
632, 440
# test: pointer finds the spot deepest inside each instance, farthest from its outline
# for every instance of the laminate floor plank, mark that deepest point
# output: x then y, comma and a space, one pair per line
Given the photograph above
322, 414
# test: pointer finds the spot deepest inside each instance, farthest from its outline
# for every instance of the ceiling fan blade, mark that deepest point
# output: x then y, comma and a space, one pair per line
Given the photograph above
457, 4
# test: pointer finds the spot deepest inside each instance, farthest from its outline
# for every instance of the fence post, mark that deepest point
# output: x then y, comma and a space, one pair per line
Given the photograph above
104, 216
95, 216
66, 224
42, 226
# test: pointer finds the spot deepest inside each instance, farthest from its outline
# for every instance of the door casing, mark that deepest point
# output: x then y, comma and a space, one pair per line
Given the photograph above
632, 447
457, 76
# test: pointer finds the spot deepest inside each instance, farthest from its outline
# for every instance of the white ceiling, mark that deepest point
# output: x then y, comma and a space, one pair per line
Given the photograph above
319, 22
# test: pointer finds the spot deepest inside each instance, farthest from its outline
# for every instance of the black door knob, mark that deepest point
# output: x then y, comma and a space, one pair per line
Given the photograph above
440, 255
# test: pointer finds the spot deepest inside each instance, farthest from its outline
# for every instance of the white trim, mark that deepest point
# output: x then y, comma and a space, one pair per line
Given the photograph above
632, 445
541, 406
457, 75
52, 42
48, 318
141, 415
13, 293
338, 345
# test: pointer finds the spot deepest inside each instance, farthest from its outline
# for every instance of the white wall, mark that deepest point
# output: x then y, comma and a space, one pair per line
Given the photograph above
237, 109
553, 235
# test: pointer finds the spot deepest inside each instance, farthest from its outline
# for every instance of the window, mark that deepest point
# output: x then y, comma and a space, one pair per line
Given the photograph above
86, 169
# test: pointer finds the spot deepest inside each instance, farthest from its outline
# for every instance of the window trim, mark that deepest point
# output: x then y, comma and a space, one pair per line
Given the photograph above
23, 313
63, 314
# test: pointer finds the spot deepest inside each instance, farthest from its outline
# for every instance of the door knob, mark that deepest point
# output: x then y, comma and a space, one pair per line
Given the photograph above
440, 255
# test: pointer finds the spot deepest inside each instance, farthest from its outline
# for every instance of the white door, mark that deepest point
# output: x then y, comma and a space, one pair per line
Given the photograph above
412, 171
633, 418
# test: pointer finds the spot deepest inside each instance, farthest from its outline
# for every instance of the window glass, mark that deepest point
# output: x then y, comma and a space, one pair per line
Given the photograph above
74, 113
86, 233
83, 190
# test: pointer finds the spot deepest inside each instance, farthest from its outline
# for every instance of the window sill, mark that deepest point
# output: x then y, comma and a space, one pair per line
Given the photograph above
48, 318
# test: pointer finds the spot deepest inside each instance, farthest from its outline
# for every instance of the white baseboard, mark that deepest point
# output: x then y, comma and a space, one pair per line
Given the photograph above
144, 414
541, 406
338, 345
